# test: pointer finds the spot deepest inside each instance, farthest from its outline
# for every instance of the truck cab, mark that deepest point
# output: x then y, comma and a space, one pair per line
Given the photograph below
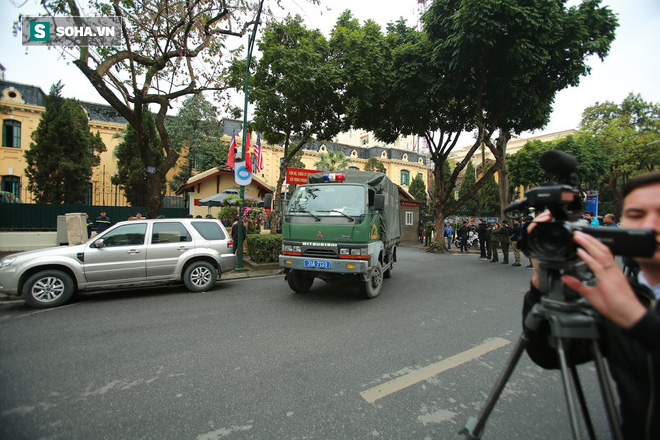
339, 225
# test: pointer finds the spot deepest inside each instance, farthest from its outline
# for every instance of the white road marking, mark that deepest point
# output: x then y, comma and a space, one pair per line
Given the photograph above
414, 377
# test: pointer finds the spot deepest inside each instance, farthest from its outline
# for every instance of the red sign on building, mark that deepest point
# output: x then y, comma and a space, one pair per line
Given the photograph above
298, 176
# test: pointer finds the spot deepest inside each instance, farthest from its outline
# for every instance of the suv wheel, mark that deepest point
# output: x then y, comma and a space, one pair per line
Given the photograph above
49, 288
200, 276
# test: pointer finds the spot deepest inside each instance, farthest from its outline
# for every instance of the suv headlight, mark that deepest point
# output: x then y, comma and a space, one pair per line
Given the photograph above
7, 261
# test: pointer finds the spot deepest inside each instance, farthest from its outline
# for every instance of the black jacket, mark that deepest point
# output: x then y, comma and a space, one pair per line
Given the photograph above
633, 356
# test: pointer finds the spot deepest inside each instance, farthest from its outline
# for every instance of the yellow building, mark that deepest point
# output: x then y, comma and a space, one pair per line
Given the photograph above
23, 107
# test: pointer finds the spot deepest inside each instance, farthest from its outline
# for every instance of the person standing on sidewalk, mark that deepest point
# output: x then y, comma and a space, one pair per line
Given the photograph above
463, 233
102, 222
516, 236
420, 231
448, 234
481, 233
494, 242
505, 241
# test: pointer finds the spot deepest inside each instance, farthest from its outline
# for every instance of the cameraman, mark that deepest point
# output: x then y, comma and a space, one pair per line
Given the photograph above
630, 330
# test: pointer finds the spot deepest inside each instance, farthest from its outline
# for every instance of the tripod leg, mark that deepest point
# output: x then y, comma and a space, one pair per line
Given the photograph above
475, 425
606, 390
568, 390
582, 401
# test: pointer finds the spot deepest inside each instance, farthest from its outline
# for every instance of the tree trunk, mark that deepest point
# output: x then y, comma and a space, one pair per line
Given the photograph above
501, 143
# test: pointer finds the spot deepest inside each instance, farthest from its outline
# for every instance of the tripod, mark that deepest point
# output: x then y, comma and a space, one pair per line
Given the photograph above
567, 321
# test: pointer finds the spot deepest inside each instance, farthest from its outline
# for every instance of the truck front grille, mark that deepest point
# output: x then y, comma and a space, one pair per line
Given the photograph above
320, 253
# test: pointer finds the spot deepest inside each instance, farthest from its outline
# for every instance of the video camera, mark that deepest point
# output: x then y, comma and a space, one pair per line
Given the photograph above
552, 242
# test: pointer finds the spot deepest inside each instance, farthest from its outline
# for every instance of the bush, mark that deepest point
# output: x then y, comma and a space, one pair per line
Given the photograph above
264, 248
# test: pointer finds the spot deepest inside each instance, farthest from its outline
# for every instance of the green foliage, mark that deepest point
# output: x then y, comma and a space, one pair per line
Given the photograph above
332, 161
253, 216
63, 152
131, 174
196, 130
469, 177
592, 161
629, 134
264, 248
417, 188
375, 164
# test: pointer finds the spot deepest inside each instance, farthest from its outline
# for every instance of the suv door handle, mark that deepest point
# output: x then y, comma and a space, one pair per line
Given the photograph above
182, 248
133, 251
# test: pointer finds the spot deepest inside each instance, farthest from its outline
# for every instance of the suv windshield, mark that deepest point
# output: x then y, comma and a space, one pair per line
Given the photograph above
333, 200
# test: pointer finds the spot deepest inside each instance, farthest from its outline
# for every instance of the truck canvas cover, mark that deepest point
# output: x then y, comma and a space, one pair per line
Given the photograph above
389, 217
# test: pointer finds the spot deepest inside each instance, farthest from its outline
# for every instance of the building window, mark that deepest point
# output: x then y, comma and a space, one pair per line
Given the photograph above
11, 133
354, 168
364, 140
405, 177
354, 153
383, 155
11, 184
405, 157
409, 218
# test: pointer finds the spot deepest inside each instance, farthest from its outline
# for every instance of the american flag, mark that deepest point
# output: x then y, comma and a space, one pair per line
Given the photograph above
258, 155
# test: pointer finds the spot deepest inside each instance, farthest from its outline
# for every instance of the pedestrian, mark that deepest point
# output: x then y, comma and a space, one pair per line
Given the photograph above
89, 225
234, 234
448, 234
428, 233
608, 221
481, 233
463, 233
102, 222
528, 221
489, 253
593, 221
494, 241
516, 236
505, 240
629, 321
420, 231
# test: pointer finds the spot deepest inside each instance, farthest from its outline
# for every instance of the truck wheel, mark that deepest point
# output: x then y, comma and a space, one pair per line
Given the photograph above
49, 288
200, 276
299, 281
371, 287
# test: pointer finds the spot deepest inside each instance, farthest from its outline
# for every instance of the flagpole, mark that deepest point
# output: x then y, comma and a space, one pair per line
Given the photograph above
251, 39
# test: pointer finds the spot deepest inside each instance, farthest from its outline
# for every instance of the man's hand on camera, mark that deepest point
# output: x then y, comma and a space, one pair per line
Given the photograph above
545, 216
612, 295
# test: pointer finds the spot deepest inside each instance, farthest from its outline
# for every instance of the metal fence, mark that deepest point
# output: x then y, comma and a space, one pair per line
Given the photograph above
41, 217
108, 195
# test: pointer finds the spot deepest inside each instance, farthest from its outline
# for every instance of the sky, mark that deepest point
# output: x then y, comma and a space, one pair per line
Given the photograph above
633, 64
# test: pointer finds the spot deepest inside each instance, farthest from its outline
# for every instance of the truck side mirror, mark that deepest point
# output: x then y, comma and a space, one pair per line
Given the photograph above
268, 201
379, 202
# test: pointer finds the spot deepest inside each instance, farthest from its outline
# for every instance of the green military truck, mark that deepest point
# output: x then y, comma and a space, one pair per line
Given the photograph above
341, 225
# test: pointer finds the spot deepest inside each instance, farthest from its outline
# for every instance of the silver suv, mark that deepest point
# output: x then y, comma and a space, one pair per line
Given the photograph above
129, 254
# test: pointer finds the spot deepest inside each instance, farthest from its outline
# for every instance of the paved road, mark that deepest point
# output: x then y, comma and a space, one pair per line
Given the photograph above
253, 360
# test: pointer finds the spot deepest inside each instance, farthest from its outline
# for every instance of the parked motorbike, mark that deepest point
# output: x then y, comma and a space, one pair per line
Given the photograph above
472, 241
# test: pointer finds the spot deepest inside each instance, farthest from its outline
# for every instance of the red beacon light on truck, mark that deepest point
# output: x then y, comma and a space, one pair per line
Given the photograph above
334, 177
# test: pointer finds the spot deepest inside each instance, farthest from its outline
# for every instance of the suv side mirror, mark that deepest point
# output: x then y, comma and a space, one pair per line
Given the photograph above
98, 243
379, 202
268, 201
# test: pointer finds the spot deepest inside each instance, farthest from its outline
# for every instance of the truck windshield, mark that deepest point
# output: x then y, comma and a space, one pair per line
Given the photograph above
328, 200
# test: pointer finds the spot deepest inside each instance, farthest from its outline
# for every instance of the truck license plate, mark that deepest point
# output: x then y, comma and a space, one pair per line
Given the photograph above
317, 264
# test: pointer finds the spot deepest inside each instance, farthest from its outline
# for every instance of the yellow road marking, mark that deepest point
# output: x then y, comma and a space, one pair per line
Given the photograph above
401, 382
